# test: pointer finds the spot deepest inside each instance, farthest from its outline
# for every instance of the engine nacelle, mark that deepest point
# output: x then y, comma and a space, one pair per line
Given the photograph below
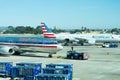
91, 41
7, 50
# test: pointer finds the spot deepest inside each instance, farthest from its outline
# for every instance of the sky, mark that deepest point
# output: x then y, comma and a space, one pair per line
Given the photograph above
62, 14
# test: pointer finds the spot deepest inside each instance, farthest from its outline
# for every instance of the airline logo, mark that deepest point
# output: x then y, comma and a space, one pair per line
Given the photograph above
46, 31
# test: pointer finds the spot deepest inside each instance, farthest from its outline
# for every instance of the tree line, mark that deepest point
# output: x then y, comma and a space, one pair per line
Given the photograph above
27, 30
23, 30
38, 30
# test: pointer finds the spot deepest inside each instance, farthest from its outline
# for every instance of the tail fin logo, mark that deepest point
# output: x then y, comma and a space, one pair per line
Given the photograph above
46, 31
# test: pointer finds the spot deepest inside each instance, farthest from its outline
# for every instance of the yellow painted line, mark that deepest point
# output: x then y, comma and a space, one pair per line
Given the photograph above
54, 57
58, 57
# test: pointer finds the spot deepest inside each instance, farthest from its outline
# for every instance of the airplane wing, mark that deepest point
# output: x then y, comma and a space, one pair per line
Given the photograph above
87, 40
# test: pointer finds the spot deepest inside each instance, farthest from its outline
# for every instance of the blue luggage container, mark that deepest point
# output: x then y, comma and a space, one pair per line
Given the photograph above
5, 68
62, 66
52, 77
67, 71
38, 66
59, 65
23, 72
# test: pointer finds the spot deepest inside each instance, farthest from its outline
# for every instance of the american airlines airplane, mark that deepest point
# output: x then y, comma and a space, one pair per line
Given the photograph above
15, 44
89, 38
59, 37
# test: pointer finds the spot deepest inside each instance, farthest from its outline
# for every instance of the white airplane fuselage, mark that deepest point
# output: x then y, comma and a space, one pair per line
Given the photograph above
90, 38
11, 44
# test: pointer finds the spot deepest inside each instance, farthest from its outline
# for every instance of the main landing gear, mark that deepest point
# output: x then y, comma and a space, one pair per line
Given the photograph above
50, 54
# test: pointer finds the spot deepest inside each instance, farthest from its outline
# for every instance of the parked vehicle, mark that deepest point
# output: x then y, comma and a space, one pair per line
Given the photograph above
72, 54
110, 45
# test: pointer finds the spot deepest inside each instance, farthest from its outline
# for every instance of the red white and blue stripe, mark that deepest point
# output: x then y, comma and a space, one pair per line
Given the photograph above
46, 31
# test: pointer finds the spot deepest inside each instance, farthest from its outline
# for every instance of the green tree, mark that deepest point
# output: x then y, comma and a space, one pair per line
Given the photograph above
20, 29
38, 30
29, 29
115, 30
10, 30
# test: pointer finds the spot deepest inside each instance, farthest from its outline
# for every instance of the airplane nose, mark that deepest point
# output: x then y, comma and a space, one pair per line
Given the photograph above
60, 47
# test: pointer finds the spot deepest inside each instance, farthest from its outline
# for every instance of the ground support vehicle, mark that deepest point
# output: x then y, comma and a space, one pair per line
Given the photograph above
77, 55
110, 45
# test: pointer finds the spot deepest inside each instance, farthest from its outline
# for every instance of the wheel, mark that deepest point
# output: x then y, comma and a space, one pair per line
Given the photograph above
71, 57
68, 56
16, 53
81, 57
81, 44
4, 76
50, 56
76, 56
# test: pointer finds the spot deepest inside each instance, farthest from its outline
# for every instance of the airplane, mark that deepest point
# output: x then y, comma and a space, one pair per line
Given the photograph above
99, 38
82, 38
59, 37
13, 45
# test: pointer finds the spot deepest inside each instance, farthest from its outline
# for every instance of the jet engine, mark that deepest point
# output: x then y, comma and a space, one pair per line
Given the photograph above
91, 41
7, 50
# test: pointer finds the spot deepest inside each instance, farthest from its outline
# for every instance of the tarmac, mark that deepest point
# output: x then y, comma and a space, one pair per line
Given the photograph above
103, 63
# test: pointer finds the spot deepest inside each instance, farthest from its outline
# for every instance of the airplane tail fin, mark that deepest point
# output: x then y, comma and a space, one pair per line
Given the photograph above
46, 31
